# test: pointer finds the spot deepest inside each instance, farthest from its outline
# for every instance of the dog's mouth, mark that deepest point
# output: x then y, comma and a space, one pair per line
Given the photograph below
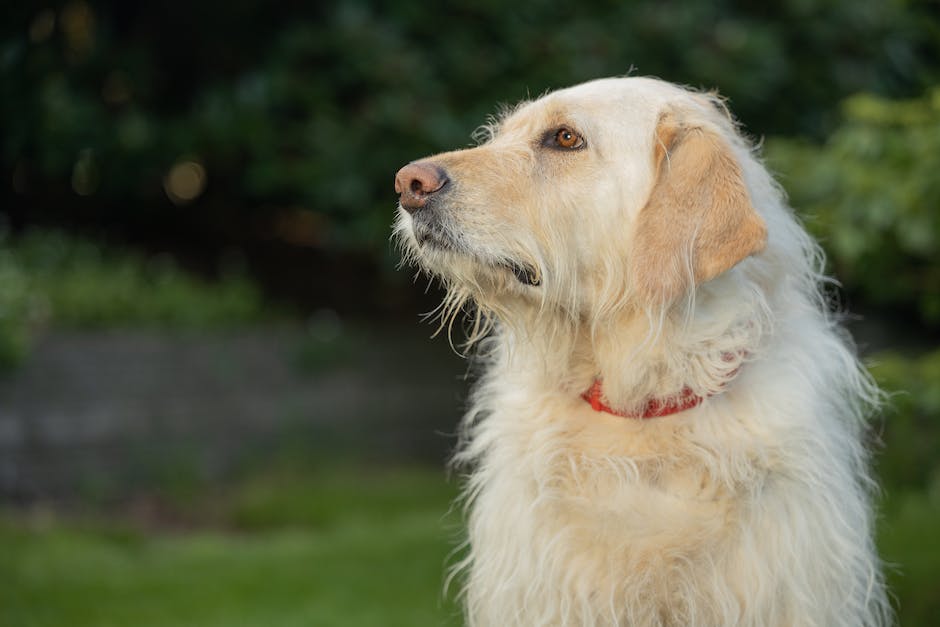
435, 237
432, 234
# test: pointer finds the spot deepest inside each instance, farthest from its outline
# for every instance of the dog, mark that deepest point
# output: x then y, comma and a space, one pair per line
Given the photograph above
668, 427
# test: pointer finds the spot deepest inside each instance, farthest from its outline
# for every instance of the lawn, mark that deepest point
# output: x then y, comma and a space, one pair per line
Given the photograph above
364, 549
342, 547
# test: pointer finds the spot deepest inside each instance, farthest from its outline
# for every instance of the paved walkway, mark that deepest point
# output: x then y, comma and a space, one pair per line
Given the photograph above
97, 411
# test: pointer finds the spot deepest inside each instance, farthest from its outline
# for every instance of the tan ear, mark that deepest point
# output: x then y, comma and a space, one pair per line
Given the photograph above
699, 221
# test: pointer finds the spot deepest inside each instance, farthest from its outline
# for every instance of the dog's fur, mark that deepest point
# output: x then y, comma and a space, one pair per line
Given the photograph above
658, 256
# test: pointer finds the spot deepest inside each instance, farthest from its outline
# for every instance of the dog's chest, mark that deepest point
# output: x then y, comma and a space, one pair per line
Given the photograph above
619, 506
561, 520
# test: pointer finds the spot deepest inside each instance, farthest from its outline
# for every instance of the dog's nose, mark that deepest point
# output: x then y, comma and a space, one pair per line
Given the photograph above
416, 182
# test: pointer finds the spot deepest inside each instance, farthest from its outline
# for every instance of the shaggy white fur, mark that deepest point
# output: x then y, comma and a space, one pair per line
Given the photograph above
752, 508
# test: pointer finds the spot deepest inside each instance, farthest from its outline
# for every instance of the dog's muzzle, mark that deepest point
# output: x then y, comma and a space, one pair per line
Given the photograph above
418, 185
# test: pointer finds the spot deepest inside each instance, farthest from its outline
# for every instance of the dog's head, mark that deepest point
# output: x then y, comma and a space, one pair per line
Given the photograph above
613, 192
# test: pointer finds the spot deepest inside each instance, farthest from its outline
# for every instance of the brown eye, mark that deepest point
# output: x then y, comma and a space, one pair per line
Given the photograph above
566, 138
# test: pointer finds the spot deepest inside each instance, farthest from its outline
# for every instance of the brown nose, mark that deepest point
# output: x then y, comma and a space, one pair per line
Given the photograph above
416, 182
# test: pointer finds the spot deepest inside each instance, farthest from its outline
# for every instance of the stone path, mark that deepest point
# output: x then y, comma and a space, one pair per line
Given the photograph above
99, 411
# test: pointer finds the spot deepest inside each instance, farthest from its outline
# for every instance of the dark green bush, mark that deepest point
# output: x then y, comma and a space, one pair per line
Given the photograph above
82, 284
314, 107
871, 193
911, 431
16, 310
52, 278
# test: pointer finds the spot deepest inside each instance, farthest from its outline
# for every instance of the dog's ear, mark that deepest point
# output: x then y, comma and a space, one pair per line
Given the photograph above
699, 221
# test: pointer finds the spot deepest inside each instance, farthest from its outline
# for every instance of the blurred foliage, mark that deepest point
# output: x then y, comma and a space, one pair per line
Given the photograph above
319, 103
871, 193
89, 286
908, 467
48, 277
911, 430
16, 310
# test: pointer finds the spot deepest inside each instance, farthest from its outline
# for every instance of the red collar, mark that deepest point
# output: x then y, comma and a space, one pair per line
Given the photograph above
654, 408
658, 407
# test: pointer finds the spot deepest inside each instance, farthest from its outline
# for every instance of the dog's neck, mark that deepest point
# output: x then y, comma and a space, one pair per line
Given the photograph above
642, 362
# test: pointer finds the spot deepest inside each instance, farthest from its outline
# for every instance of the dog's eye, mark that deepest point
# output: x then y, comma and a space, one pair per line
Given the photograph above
566, 138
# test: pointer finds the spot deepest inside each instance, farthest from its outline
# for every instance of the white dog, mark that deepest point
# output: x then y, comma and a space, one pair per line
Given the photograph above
668, 429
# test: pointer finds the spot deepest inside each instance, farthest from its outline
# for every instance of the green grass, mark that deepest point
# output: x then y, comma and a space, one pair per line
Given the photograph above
344, 547
909, 541
352, 549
